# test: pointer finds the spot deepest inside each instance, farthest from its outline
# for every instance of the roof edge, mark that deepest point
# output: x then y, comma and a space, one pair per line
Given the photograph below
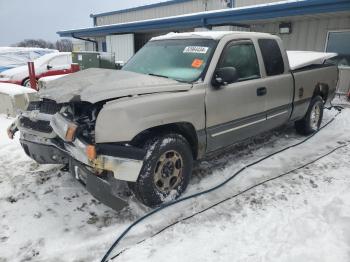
137, 8
234, 16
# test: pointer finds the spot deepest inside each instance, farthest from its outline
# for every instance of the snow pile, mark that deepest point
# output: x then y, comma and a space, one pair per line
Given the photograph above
300, 59
13, 89
51, 78
11, 57
11, 60
15, 98
39, 64
48, 216
47, 79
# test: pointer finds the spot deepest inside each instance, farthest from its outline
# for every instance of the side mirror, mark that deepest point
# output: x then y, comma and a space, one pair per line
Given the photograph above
224, 76
48, 67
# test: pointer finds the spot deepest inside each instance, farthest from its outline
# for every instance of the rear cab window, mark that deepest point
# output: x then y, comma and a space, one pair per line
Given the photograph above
272, 57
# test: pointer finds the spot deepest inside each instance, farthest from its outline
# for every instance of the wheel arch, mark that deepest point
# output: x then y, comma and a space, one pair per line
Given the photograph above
322, 90
187, 130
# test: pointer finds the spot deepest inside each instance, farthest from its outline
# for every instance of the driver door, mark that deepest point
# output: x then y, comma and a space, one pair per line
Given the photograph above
236, 111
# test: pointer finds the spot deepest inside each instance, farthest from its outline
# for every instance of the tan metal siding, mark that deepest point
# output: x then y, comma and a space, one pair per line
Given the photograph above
308, 34
240, 3
230, 28
162, 11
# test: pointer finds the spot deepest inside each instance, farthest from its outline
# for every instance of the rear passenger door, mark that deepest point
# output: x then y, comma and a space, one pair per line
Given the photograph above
278, 81
236, 111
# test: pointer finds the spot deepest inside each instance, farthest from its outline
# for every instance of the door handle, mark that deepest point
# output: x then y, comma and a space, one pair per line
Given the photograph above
261, 91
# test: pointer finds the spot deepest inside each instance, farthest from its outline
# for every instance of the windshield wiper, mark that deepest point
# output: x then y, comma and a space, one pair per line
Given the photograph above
181, 81
150, 74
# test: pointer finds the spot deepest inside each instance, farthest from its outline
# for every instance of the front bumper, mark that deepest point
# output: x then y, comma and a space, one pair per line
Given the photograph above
44, 153
113, 162
54, 151
102, 188
42, 142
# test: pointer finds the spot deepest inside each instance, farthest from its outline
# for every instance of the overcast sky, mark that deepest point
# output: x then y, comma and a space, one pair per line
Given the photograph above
23, 19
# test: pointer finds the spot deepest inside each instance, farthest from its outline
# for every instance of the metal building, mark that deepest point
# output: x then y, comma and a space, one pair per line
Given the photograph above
125, 45
315, 25
163, 9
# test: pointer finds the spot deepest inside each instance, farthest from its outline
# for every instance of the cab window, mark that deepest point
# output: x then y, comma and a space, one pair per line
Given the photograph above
242, 56
272, 57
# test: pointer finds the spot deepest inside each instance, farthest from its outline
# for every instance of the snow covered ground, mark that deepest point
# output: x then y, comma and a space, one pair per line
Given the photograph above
48, 216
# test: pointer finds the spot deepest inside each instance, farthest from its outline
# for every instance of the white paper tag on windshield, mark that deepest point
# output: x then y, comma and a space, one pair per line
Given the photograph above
196, 49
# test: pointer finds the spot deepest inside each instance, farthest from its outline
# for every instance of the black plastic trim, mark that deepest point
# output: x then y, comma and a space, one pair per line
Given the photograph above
43, 154
122, 151
311, 67
102, 188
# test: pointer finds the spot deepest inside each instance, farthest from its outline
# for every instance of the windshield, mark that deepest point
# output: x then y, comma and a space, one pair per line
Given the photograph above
15, 59
182, 60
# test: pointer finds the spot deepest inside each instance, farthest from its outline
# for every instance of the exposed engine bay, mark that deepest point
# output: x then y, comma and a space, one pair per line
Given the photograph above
83, 114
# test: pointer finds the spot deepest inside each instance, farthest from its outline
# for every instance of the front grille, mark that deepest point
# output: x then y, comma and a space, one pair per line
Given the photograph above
45, 106
40, 125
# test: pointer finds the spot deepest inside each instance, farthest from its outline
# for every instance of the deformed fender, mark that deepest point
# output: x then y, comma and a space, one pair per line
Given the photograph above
121, 120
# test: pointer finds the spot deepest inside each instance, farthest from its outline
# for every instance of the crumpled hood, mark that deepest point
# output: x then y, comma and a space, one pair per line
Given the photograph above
94, 85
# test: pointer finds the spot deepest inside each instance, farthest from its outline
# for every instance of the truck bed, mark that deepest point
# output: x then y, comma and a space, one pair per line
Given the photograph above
305, 81
300, 59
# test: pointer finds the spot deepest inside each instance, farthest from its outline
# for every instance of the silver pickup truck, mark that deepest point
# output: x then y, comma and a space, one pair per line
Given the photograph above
182, 96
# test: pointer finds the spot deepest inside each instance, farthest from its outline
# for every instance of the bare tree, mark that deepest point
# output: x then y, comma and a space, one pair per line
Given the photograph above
35, 43
63, 45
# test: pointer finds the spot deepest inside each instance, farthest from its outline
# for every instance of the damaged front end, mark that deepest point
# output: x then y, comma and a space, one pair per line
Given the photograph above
52, 133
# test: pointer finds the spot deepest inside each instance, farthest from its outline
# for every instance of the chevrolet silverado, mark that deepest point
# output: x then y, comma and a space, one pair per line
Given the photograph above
181, 97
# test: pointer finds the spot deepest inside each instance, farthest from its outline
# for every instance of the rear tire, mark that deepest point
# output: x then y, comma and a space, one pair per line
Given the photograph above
312, 120
166, 170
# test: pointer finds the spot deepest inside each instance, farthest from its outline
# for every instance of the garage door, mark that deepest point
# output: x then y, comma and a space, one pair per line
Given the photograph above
122, 46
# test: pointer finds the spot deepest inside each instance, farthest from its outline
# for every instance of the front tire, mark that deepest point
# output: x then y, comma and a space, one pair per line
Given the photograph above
166, 170
26, 82
312, 121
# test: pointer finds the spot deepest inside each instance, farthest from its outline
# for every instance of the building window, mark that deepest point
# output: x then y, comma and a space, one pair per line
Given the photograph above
272, 56
339, 42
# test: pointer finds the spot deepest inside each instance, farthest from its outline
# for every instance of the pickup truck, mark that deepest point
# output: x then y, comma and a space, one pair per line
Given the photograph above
181, 97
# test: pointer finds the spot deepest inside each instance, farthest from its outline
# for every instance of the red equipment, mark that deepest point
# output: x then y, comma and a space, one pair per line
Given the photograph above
32, 78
